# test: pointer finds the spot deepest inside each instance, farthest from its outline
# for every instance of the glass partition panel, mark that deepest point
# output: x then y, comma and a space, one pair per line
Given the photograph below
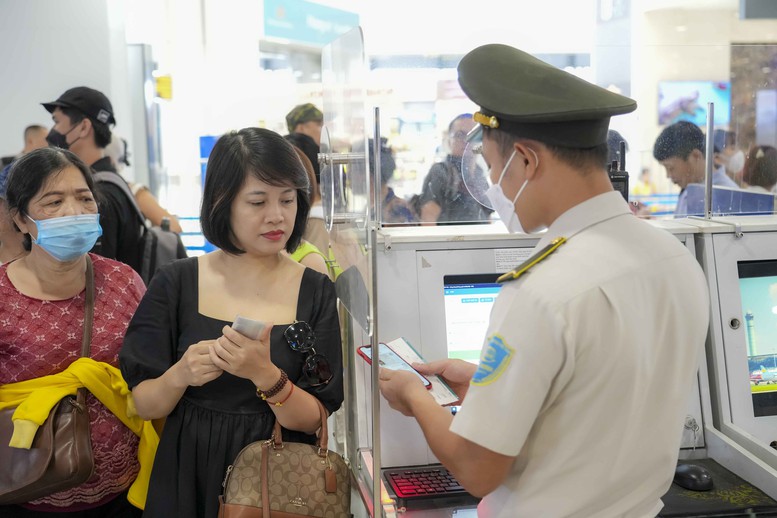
344, 179
350, 216
420, 100
668, 177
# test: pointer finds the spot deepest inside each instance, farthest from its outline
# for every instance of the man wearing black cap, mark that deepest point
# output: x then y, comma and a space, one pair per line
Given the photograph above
82, 123
577, 405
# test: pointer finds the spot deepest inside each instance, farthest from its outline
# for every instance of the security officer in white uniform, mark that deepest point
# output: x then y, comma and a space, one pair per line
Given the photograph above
577, 405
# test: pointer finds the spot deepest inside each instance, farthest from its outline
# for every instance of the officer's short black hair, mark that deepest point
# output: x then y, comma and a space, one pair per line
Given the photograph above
580, 158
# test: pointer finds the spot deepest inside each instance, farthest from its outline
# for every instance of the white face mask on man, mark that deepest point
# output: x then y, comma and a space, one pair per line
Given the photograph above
502, 204
736, 162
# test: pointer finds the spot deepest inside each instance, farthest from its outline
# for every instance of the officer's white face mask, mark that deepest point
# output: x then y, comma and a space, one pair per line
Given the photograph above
502, 204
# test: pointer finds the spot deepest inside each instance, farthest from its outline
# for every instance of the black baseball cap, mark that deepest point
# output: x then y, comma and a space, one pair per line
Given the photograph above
92, 103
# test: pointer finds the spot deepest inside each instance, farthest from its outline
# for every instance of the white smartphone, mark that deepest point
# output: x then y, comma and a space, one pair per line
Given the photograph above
391, 360
248, 328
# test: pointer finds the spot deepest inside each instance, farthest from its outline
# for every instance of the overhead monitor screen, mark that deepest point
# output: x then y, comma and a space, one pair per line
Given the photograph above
687, 101
758, 288
468, 301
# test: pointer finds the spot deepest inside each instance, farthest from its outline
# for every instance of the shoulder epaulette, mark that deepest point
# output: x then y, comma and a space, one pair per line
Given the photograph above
531, 261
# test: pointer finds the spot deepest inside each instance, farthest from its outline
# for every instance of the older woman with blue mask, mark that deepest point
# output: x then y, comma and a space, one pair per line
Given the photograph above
51, 201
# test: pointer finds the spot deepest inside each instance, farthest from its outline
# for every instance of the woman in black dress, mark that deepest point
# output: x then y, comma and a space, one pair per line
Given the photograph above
217, 389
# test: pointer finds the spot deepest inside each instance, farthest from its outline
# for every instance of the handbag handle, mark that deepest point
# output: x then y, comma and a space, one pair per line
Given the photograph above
276, 442
323, 437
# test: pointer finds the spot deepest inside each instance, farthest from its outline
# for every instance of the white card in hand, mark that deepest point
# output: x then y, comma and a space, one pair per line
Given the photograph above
247, 327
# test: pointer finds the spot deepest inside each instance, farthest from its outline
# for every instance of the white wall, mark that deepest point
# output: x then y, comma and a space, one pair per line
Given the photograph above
50, 46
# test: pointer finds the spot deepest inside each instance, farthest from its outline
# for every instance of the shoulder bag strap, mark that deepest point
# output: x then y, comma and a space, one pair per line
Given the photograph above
265, 476
86, 341
118, 181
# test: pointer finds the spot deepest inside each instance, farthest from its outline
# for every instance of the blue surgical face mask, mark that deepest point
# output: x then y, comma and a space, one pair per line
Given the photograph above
69, 237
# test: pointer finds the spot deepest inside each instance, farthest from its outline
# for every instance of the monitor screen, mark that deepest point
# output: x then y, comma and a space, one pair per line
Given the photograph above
758, 288
687, 101
468, 301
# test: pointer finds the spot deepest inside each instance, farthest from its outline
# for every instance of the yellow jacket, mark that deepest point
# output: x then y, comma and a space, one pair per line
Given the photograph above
35, 398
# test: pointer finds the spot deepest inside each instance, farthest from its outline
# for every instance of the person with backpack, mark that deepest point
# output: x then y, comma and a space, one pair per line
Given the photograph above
82, 123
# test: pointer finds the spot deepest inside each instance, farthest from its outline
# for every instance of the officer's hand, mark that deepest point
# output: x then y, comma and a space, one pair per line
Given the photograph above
400, 388
455, 373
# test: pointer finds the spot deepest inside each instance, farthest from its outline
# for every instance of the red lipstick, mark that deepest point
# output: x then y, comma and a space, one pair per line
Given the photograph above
274, 235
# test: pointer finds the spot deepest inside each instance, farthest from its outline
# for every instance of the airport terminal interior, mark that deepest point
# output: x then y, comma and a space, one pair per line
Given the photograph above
181, 73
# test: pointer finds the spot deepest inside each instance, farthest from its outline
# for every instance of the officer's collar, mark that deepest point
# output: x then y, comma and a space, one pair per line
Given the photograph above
585, 214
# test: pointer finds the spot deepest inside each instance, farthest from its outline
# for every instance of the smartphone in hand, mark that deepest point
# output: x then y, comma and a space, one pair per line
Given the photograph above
249, 328
391, 360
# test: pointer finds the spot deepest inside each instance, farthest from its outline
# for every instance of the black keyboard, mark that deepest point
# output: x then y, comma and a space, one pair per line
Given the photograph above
420, 483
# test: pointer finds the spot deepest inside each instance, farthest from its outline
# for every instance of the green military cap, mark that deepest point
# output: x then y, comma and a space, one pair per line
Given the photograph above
532, 99
303, 113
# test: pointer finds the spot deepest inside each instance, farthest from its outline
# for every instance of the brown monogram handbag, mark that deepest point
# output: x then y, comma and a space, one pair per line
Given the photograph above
61, 453
287, 480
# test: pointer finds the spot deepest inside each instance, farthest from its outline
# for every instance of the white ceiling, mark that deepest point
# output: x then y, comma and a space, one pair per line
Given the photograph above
653, 5
454, 26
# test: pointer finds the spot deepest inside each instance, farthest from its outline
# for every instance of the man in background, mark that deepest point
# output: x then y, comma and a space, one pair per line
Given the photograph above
82, 123
728, 154
445, 198
34, 138
680, 148
11, 240
305, 122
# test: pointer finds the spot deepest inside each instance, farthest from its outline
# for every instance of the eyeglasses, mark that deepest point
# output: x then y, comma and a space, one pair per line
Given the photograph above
459, 135
301, 339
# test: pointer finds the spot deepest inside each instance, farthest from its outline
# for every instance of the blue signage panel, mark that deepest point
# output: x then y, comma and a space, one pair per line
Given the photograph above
306, 22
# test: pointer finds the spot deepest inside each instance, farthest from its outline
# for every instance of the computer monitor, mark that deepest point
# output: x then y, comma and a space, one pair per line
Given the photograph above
742, 270
758, 288
468, 300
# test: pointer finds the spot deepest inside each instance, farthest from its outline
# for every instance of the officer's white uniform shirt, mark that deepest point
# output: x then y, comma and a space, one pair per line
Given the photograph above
587, 367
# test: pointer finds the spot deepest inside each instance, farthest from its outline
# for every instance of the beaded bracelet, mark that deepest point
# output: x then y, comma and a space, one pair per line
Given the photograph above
275, 389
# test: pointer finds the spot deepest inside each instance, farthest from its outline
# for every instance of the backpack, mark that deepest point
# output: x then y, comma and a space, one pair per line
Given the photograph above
160, 245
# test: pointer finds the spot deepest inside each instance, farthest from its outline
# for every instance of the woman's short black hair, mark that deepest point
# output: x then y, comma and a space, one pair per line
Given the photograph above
269, 158
761, 167
30, 173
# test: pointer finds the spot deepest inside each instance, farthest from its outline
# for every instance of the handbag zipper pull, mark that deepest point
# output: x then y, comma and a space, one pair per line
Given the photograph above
78, 406
226, 477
